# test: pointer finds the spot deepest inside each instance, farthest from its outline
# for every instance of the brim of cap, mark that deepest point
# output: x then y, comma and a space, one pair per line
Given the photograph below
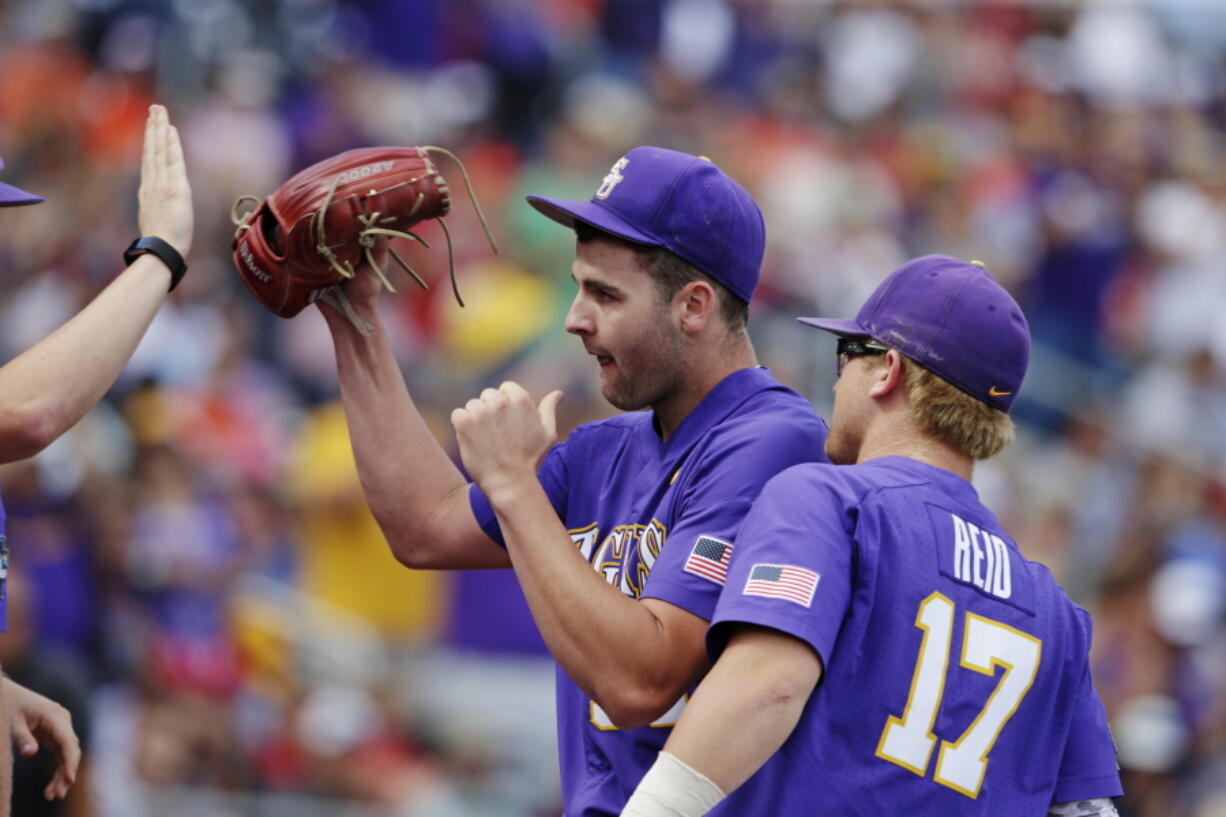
847, 327
566, 212
12, 196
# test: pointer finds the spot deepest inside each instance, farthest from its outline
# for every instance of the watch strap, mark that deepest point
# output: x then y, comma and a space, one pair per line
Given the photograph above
168, 255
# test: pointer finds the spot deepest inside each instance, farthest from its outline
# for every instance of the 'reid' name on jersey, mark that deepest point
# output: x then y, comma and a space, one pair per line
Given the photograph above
981, 559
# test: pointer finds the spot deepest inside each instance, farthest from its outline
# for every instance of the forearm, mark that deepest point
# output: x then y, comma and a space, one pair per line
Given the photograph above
408, 479
756, 691
45, 390
1098, 807
608, 643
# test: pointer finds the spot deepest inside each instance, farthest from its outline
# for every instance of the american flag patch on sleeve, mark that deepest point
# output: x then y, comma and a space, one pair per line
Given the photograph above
709, 559
795, 584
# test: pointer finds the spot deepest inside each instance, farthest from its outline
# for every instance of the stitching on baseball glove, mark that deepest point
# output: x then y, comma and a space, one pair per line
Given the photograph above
278, 266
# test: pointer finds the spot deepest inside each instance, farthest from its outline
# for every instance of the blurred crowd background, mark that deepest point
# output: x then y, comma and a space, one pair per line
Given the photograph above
194, 569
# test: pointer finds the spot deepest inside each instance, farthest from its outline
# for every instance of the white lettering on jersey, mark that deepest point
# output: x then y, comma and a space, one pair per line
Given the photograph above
962, 550
625, 555
650, 544
1002, 578
585, 540
977, 556
982, 559
612, 553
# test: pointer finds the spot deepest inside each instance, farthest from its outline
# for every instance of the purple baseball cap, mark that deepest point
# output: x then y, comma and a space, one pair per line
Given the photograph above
950, 317
680, 202
12, 196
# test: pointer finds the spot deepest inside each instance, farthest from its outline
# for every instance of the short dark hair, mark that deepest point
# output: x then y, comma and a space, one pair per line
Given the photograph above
670, 272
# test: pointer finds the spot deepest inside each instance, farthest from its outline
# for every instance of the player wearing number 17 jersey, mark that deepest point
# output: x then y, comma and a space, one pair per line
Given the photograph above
954, 675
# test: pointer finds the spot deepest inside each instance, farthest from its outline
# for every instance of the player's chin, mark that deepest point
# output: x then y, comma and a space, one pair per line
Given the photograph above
840, 450
613, 396
610, 384
619, 396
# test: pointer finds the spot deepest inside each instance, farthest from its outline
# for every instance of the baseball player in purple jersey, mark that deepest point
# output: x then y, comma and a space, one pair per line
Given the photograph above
46, 389
954, 673
621, 535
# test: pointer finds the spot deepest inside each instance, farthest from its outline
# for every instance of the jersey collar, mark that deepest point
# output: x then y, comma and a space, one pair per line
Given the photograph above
725, 398
951, 482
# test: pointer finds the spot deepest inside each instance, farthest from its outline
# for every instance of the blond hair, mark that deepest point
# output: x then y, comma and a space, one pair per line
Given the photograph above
952, 416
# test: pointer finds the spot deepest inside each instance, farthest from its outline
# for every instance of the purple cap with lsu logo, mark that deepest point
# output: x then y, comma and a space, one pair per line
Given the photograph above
950, 317
12, 196
680, 202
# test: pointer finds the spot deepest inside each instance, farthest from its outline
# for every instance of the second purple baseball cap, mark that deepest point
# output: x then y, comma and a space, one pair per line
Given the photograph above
953, 319
12, 196
680, 202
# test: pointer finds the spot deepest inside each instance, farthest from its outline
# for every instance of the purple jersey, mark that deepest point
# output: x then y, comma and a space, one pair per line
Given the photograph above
624, 495
956, 679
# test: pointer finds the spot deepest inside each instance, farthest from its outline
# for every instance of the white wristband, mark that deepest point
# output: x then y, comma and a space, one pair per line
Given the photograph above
671, 788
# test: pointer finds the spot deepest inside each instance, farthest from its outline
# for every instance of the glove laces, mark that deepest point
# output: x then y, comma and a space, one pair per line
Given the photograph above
373, 228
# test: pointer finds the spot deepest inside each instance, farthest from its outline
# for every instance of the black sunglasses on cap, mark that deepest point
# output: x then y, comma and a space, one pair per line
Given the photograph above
849, 348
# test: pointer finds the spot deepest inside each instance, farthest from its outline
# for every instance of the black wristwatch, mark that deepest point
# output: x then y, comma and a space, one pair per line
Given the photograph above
155, 246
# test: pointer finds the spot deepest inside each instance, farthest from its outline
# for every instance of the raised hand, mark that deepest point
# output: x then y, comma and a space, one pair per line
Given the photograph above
165, 195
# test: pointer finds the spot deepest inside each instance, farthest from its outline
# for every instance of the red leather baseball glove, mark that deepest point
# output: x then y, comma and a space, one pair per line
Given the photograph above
315, 230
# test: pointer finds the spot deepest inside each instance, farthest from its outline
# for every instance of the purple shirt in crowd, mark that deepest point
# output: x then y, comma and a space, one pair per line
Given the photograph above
658, 520
956, 679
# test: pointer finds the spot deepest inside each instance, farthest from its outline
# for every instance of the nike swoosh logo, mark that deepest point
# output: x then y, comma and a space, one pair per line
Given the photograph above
993, 392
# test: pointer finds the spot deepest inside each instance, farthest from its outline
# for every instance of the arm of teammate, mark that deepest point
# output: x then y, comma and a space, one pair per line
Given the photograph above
45, 390
415, 491
756, 691
608, 643
770, 645
1098, 807
35, 721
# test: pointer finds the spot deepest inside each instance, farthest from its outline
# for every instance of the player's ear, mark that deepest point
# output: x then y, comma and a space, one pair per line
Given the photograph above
696, 304
889, 376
